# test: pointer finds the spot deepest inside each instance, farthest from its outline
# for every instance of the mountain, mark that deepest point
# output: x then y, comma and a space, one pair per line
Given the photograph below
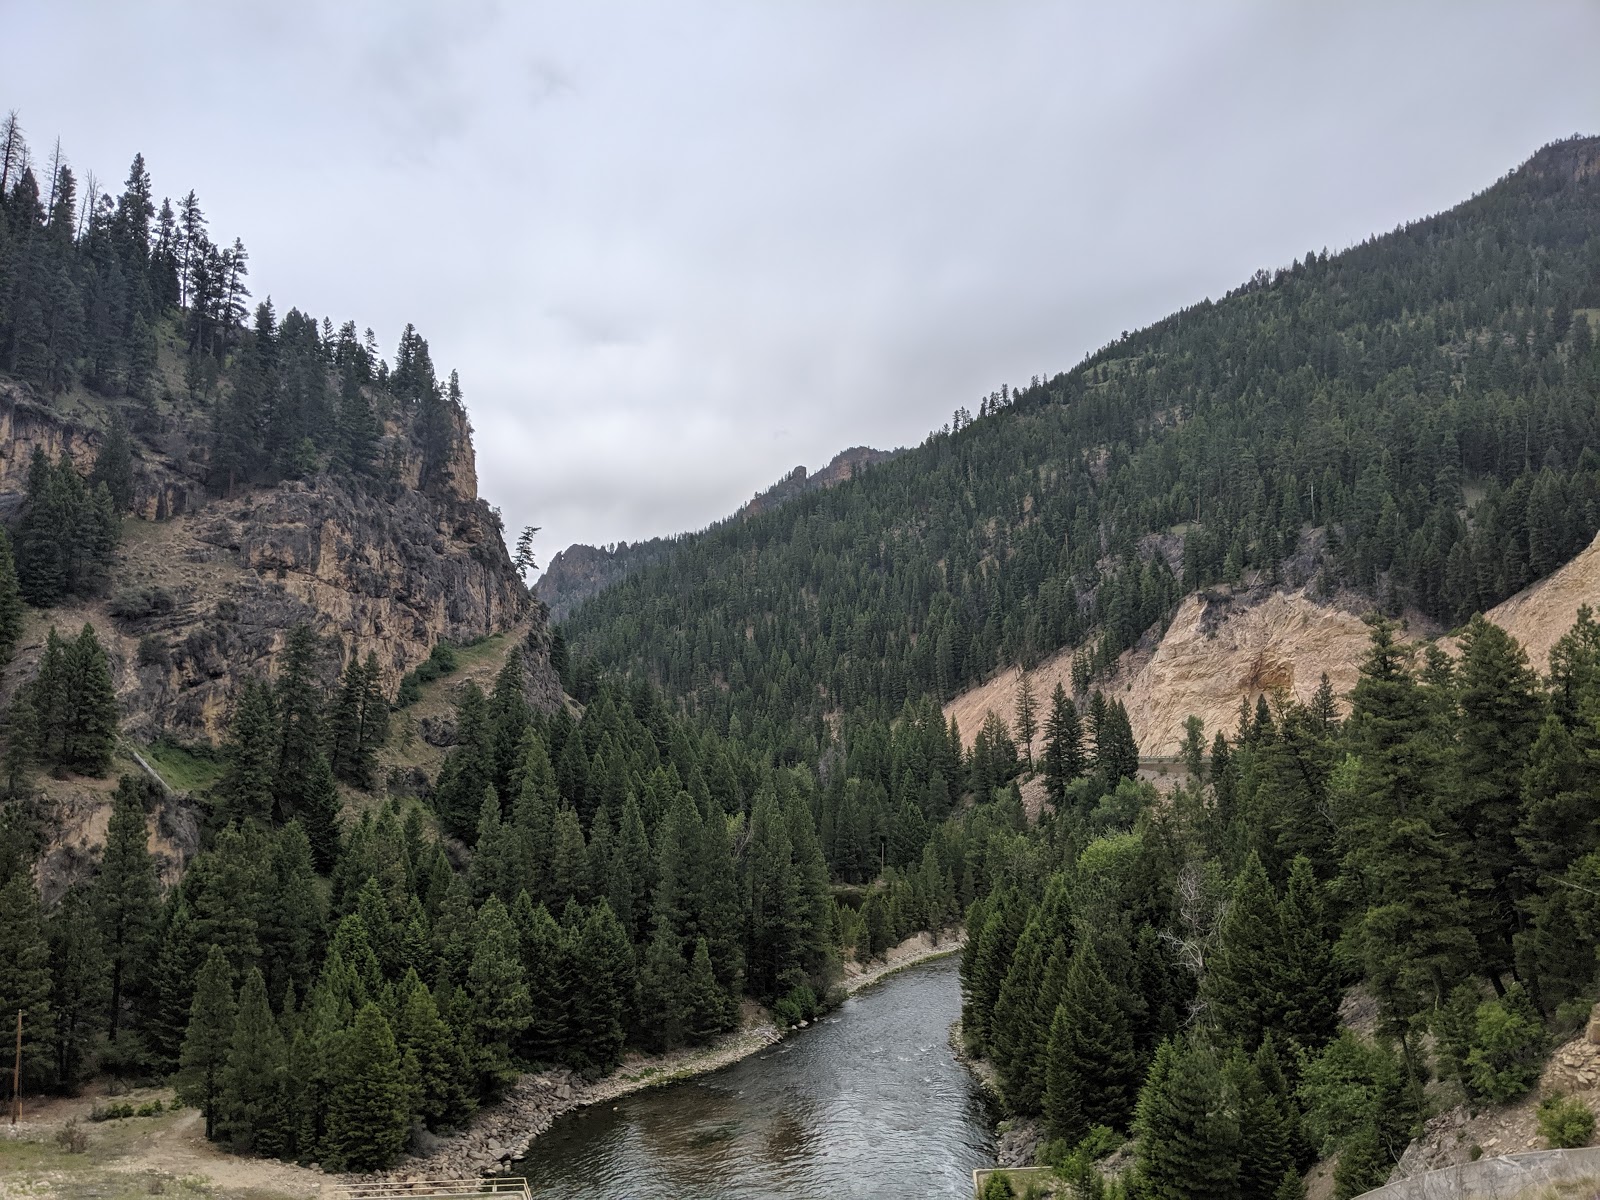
582, 571
1412, 420
205, 587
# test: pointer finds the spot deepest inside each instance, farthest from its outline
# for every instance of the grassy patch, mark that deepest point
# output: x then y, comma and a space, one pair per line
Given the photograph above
184, 768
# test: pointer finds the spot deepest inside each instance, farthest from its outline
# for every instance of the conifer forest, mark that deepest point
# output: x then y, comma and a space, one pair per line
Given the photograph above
739, 775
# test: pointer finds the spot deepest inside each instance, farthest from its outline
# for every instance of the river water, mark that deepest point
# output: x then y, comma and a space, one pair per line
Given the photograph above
867, 1102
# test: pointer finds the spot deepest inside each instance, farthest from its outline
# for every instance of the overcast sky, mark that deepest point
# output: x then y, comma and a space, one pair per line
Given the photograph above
676, 248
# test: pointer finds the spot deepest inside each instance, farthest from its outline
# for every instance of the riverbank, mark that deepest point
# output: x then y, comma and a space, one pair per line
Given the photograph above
534, 1103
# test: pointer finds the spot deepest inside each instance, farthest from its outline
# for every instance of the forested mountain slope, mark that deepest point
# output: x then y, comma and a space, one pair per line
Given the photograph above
390, 872
579, 572
1424, 402
194, 479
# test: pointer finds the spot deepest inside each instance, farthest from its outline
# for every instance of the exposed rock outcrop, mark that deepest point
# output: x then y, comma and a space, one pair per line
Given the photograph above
205, 590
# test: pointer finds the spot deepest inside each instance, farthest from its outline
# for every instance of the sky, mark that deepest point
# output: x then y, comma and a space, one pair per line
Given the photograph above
676, 249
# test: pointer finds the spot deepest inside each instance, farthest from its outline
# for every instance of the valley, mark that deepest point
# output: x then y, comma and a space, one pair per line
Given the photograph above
1180, 777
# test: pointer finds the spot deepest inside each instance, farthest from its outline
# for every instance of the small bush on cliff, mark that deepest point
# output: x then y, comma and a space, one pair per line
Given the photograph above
1509, 1044
1565, 1122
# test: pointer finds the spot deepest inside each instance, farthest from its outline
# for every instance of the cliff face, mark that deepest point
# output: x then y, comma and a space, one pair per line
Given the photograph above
580, 571
204, 596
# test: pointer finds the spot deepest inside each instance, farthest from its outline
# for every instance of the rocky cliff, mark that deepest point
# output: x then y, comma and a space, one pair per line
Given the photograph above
205, 589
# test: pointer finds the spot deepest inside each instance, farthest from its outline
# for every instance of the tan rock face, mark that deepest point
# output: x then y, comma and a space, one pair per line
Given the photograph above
1221, 649
1217, 650
372, 566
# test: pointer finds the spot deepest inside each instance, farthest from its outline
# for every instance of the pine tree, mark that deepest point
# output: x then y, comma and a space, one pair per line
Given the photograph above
543, 952
209, 1038
10, 601
251, 1116
1499, 720
78, 985
497, 993
252, 753
127, 903
358, 723
367, 1108
1268, 1129
1305, 977
86, 706
602, 963
1187, 1137
113, 465
443, 1099
1096, 1046
165, 1015
25, 978
301, 760
1027, 723
1064, 1088
706, 1006
318, 809
1239, 971
1400, 843
1063, 755
291, 933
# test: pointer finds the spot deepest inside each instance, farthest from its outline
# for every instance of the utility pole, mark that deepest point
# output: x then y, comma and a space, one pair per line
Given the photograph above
16, 1074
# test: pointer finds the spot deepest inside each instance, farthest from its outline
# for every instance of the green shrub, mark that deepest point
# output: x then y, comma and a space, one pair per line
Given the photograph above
1565, 1122
998, 1187
1509, 1044
441, 661
153, 651
799, 1005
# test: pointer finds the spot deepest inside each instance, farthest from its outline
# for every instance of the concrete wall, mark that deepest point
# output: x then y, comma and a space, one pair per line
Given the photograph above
1495, 1178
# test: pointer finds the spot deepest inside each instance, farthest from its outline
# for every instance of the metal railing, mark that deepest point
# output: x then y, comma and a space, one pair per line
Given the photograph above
421, 1189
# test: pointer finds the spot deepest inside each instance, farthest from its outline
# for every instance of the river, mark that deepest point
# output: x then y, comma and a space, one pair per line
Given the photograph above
867, 1102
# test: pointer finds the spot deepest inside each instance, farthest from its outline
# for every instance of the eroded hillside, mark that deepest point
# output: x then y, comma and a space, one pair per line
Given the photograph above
205, 588
1221, 648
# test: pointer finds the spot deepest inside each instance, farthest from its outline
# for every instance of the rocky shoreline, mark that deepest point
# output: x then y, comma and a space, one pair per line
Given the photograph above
502, 1133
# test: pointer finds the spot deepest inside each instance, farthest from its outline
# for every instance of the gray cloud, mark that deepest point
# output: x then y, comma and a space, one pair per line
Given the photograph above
676, 249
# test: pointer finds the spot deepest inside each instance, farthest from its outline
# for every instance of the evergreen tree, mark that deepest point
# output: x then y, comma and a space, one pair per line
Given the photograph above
1306, 976
318, 810
113, 465
126, 903
78, 986
706, 1009
602, 961
209, 1038
25, 983
421, 1036
251, 1116
1498, 723
1414, 936
1027, 722
1239, 972
164, 1020
497, 994
301, 760
252, 753
1188, 1138
543, 951
1095, 1047
368, 1110
10, 601
358, 723
1063, 738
